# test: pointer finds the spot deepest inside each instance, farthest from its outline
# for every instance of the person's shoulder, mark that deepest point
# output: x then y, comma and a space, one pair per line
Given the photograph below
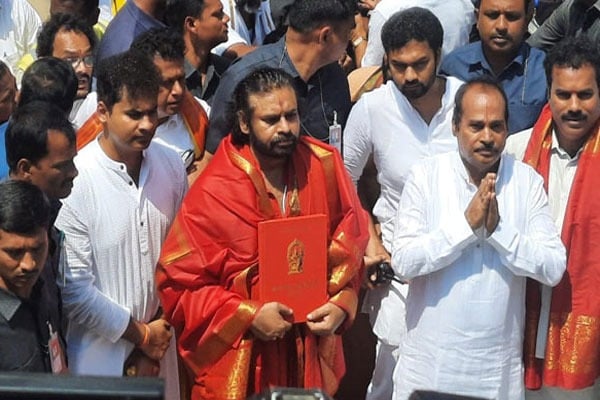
467, 50
159, 151
517, 143
453, 84
266, 55
536, 56
220, 63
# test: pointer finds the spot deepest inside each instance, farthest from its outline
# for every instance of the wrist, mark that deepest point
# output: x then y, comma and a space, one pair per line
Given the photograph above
358, 41
146, 336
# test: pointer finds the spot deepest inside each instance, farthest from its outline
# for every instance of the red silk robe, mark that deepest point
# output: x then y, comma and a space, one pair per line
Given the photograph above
209, 269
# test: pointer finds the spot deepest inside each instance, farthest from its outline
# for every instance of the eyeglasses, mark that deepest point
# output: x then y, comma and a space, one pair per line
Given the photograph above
188, 158
88, 61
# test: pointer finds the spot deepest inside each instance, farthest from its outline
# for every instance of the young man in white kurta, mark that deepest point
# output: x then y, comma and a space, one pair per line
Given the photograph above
114, 227
465, 310
395, 130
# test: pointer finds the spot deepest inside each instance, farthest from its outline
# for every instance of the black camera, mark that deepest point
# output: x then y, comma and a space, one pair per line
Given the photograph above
381, 273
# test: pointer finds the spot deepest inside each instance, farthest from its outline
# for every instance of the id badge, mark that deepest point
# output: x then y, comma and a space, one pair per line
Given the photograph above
335, 134
57, 354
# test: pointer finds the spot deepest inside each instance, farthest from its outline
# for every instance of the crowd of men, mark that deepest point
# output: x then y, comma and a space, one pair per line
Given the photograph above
141, 161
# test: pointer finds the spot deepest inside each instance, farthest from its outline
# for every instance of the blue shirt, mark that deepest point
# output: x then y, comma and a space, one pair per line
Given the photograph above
129, 23
523, 80
3, 164
325, 92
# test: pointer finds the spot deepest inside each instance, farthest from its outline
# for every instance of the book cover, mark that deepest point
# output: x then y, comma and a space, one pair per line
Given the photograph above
292, 263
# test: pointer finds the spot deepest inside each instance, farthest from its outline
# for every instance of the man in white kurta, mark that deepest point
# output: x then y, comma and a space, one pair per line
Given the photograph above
399, 127
471, 226
114, 222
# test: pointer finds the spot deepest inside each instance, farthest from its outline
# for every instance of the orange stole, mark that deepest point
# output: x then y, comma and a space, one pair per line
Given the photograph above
572, 358
206, 285
193, 114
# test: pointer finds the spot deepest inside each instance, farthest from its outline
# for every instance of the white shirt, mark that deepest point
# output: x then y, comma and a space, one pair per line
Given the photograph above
174, 133
456, 16
466, 305
83, 109
384, 123
238, 30
560, 179
19, 27
113, 236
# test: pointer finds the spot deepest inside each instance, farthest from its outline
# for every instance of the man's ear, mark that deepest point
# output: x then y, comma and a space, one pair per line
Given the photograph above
324, 34
242, 120
476, 11
102, 111
23, 170
189, 23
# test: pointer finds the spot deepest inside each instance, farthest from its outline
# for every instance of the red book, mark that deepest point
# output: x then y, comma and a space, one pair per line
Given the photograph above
292, 263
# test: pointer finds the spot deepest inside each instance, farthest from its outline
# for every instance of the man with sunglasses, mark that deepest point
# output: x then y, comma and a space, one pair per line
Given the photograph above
66, 37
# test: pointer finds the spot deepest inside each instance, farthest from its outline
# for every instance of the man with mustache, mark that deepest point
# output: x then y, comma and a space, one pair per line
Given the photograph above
24, 312
400, 123
175, 129
503, 54
232, 344
40, 148
115, 220
471, 227
561, 338
69, 38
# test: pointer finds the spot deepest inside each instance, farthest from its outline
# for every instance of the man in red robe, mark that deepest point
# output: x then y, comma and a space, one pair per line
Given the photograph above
231, 343
562, 337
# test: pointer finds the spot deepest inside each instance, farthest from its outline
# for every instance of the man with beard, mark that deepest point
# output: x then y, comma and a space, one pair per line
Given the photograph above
69, 38
233, 344
562, 358
503, 54
249, 23
400, 123
467, 253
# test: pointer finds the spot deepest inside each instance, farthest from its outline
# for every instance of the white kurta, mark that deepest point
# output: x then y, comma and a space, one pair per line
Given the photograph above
385, 124
19, 27
466, 306
113, 236
174, 133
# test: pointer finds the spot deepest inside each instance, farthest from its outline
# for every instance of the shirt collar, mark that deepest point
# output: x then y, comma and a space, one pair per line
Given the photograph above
476, 58
189, 69
284, 58
9, 304
555, 148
